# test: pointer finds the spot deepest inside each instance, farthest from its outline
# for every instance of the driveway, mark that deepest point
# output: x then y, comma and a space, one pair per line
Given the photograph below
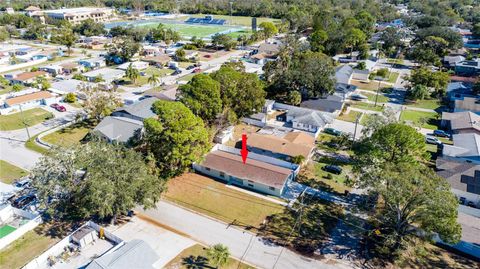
242, 245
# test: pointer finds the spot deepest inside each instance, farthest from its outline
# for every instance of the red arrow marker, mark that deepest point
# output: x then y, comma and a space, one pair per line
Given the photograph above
244, 150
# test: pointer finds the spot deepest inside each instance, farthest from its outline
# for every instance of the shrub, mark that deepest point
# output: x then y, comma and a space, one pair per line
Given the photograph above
70, 98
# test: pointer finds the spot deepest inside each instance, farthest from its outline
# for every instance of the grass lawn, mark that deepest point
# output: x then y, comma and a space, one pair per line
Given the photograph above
142, 80
236, 34
393, 77
350, 117
427, 120
370, 86
31, 116
427, 103
9, 172
32, 145
381, 98
238, 20
187, 77
211, 197
24, 249
366, 106
196, 257
313, 175
395, 61
69, 136
189, 30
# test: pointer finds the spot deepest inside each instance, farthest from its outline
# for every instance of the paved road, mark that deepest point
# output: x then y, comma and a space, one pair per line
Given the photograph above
241, 244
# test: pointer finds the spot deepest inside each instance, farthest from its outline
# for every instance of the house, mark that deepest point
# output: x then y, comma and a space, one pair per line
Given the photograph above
467, 104
67, 86
256, 119
169, 93
343, 76
52, 69
259, 173
70, 68
119, 129
93, 63
262, 58
463, 177
32, 10
137, 111
362, 75
466, 147
461, 122
451, 61
137, 65
151, 51
159, 60
292, 145
108, 75
27, 101
304, 119
264, 53
133, 254
468, 68
458, 90
26, 78
224, 135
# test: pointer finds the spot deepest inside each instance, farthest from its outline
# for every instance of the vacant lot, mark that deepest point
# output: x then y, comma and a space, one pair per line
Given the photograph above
196, 257
30, 117
70, 135
427, 120
9, 172
215, 199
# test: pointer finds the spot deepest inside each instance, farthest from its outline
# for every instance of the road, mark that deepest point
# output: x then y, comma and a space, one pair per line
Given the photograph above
240, 243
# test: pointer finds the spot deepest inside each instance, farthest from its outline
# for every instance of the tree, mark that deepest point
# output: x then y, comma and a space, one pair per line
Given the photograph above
417, 92
392, 40
180, 54
366, 22
317, 40
176, 138
294, 98
95, 179
122, 49
221, 40
437, 81
4, 34
354, 37
89, 27
154, 80
66, 37
17, 87
268, 28
99, 104
197, 42
70, 97
161, 33
375, 121
218, 255
202, 96
132, 73
476, 30
413, 197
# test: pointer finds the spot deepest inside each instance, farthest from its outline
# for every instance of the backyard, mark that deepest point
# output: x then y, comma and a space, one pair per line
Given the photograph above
196, 257
372, 96
211, 197
9, 172
30, 117
427, 120
70, 135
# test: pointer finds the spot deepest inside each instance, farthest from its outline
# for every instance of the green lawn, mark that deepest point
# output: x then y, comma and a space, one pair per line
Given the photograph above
366, 106
215, 199
238, 20
187, 77
427, 103
236, 34
31, 116
350, 117
395, 61
381, 98
393, 77
196, 257
9, 172
142, 80
189, 30
24, 249
426, 120
5, 230
68, 136
313, 175
370, 86
32, 145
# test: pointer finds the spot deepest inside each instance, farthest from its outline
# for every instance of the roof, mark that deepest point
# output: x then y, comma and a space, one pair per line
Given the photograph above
106, 73
254, 170
459, 174
280, 145
136, 65
68, 85
168, 94
69, 65
300, 138
330, 104
463, 79
133, 254
467, 103
461, 87
462, 120
163, 58
309, 116
28, 75
269, 48
28, 97
32, 8
464, 145
93, 60
141, 109
343, 74
118, 128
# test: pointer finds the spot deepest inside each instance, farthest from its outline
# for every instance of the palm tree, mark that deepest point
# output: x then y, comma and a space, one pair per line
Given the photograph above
132, 73
218, 255
154, 80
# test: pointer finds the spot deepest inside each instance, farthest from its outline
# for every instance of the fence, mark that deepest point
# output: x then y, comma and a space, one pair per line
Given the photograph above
10, 212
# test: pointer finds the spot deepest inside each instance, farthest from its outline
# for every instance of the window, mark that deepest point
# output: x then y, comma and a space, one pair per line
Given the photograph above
222, 174
250, 181
207, 168
271, 188
250, 185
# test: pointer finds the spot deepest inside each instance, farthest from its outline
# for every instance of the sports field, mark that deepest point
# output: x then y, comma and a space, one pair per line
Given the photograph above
5, 230
189, 30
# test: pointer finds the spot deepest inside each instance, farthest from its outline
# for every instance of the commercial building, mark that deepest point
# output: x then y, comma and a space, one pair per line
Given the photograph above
77, 15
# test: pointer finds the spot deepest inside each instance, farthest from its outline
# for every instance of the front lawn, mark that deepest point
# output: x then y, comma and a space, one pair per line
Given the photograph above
69, 136
196, 257
351, 116
427, 120
30, 117
393, 77
381, 98
314, 176
215, 199
32, 145
370, 86
427, 103
142, 80
367, 106
187, 77
9, 172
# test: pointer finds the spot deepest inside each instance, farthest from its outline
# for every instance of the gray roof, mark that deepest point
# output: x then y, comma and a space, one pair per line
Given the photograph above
462, 120
118, 128
460, 174
330, 104
464, 145
461, 87
107, 74
309, 116
343, 74
141, 109
67, 86
134, 254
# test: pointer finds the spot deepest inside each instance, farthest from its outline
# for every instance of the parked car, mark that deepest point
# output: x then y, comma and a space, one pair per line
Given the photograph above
24, 201
471, 204
196, 70
58, 107
462, 200
190, 67
332, 169
441, 133
22, 183
357, 96
333, 131
177, 72
432, 140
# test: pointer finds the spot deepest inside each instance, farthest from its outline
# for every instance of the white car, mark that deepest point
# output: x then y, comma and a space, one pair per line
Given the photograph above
357, 96
432, 140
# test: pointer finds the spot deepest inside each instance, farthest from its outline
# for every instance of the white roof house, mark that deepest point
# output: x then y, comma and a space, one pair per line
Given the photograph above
68, 86
107, 74
137, 65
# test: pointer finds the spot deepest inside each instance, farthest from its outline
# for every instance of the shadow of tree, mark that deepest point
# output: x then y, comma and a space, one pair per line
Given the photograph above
195, 262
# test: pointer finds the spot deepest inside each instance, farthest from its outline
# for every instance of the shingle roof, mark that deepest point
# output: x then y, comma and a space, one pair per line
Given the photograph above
118, 128
462, 120
28, 75
458, 174
464, 145
309, 116
279, 145
28, 97
134, 254
142, 109
343, 74
256, 171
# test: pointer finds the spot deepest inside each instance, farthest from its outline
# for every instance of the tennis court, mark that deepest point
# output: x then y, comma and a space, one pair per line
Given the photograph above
6, 230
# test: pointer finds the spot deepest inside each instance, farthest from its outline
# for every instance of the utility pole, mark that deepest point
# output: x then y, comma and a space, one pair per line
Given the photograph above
357, 119
378, 89
231, 18
24, 122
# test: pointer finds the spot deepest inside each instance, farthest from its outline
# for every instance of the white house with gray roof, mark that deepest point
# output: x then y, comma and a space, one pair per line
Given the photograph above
119, 129
138, 111
466, 147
